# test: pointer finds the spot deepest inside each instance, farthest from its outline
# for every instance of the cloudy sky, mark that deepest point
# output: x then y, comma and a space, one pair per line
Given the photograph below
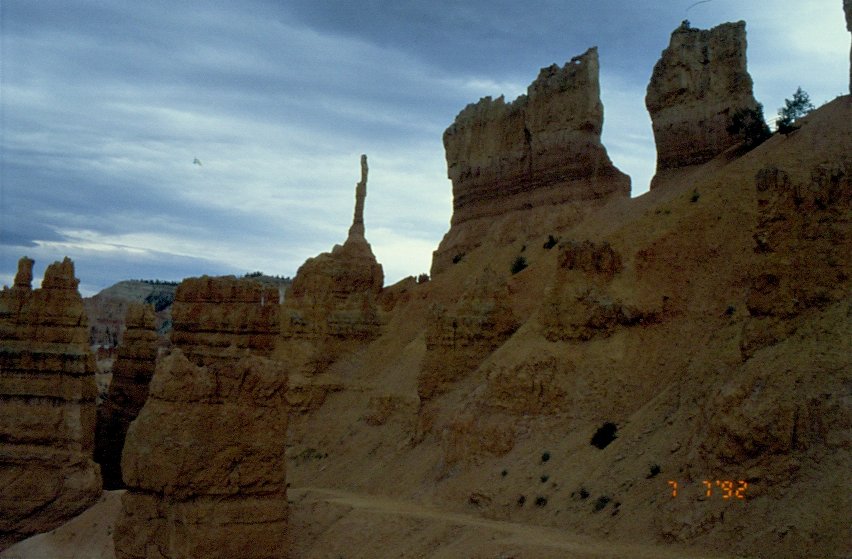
106, 104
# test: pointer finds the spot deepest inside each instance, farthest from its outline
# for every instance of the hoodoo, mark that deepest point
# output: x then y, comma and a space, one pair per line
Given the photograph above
541, 151
697, 87
333, 297
47, 416
131, 374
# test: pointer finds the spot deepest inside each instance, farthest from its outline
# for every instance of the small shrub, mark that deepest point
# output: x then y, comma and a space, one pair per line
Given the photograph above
504, 473
541, 501
604, 435
601, 503
545, 456
544, 478
584, 493
519, 264
521, 500
551, 242
255, 274
695, 196
654, 471
458, 258
730, 310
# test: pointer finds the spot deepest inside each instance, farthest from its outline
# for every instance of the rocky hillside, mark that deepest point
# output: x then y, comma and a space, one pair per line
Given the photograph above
106, 309
584, 374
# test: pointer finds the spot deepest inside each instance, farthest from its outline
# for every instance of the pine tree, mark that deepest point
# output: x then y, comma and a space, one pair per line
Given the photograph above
793, 110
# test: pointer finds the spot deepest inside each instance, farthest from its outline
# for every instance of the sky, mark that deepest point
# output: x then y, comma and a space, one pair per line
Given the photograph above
105, 106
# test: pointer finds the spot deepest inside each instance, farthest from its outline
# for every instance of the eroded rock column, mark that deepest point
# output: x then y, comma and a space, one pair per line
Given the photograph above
204, 464
131, 374
542, 150
697, 86
47, 404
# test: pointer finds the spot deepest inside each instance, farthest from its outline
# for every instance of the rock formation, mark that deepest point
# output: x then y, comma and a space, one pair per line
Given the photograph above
543, 149
47, 416
131, 373
213, 315
204, 463
847, 8
459, 337
333, 298
697, 86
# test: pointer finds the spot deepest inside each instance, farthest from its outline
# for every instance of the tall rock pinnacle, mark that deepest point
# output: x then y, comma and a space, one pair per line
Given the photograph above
698, 85
357, 228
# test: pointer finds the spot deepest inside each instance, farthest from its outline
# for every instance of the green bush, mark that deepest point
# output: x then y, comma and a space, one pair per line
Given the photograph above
793, 109
601, 503
519, 264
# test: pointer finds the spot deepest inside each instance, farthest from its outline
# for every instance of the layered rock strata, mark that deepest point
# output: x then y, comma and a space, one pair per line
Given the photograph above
47, 404
543, 149
460, 336
131, 374
204, 463
214, 315
333, 298
696, 88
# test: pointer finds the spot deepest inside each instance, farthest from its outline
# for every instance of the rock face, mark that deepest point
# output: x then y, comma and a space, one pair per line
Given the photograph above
333, 298
214, 315
204, 463
543, 149
47, 416
461, 336
131, 374
697, 86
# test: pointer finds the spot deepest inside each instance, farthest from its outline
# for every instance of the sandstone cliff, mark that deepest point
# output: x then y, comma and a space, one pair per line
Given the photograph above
131, 373
542, 150
333, 300
47, 416
212, 316
697, 86
204, 463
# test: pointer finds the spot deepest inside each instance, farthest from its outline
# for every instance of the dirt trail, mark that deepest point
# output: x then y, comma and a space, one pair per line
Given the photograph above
333, 523
488, 536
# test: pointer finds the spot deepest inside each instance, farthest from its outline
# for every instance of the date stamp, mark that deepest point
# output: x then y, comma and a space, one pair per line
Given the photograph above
726, 489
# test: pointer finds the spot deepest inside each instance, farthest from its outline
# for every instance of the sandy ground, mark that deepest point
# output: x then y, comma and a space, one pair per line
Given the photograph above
88, 536
331, 523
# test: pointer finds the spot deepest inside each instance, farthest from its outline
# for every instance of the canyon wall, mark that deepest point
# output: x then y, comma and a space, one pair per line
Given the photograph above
541, 150
131, 374
47, 404
696, 88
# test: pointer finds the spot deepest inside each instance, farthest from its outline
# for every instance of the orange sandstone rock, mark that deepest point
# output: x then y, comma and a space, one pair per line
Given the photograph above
204, 463
333, 300
213, 315
47, 416
131, 374
541, 150
698, 84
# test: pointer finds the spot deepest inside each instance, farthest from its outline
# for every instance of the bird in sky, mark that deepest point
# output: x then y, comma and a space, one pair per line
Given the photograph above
196, 162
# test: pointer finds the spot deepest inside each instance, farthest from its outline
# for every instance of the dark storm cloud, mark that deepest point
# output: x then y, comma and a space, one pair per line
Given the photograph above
105, 106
